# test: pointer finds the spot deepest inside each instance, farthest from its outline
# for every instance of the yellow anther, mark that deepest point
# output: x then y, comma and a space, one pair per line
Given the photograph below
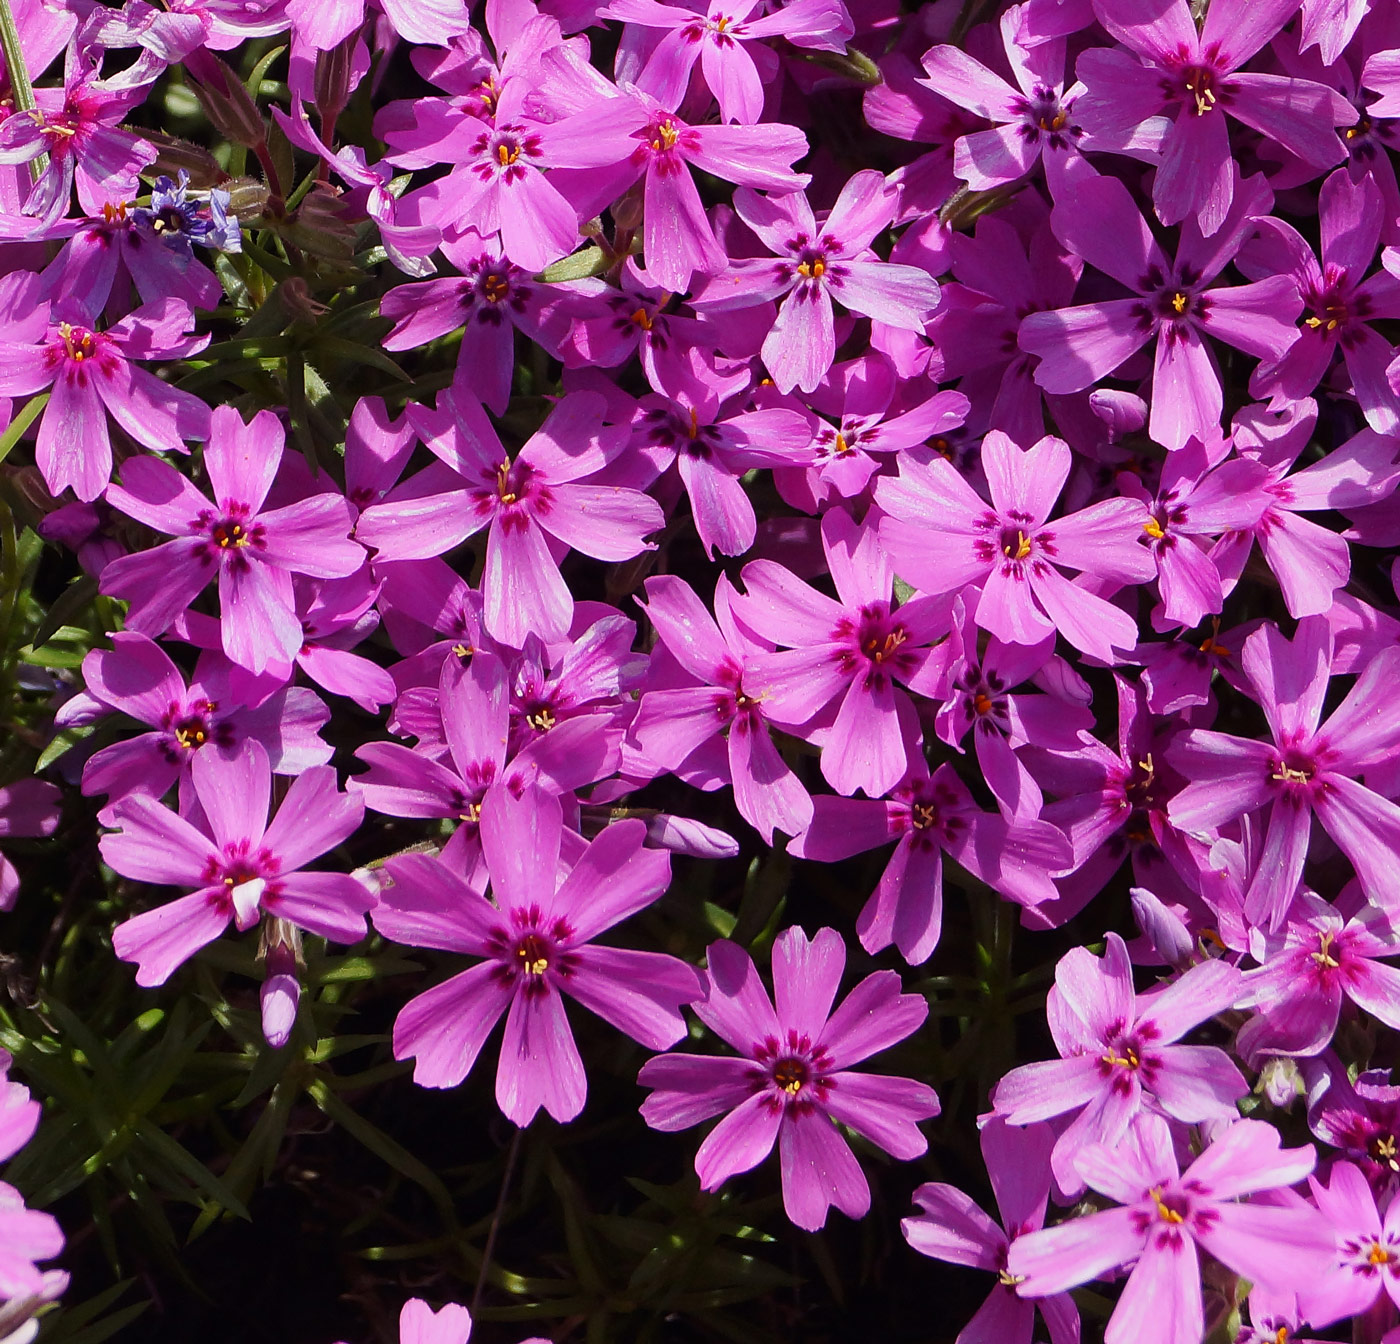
1379, 1255
1163, 1212
1021, 550
1179, 302
507, 154
666, 137
640, 318
1153, 529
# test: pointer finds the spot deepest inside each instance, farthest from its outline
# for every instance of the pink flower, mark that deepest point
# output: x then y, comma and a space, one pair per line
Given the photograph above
243, 866
943, 538
91, 375
1167, 1219
527, 501
536, 945
794, 1079
253, 551
818, 264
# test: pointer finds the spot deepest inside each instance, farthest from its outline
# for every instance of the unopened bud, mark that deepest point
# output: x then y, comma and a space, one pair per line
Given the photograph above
227, 103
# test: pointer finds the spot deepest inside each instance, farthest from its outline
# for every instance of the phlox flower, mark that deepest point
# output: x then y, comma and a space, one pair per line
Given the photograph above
852, 650
1310, 561
943, 538
528, 502
76, 126
734, 72
1307, 770
819, 264
137, 678
1318, 960
1120, 1057
1365, 1264
1171, 302
1167, 1219
928, 815
244, 867
949, 1226
674, 722
28, 807
1340, 300
92, 374
635, 135
535, 945
794, 1080
1193, 77
253, 551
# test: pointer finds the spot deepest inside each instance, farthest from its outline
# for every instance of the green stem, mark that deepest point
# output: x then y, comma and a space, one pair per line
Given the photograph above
20, 86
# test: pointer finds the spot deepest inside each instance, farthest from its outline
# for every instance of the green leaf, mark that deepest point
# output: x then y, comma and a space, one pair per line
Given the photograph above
338, 347
14, 431
581, 265
382, 1146
70, 602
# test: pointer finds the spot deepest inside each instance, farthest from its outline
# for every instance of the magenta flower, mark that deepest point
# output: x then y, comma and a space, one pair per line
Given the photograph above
1120, 1058
1365, 1264
1171, 69
635, 134
850, 650
527, 501
77, 128
137, 678
28, 807
91, 375
818, 264
676, 721
951, 1227
499, 185
245, 868
718, 39
491, 300
1340, 301
1078, 346
1034, 120
253, 551
794, 1079
1169, 1218
943, 538
1318, 961
1307, 770
536, 945
928, 816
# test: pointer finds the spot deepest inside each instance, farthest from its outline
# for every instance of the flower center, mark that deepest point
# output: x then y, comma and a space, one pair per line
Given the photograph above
229, 534
1015, 545
507, 153
1333, 314
192, 733
812, 266
1164, 1210
1385, 1149
532, 952
542, 720
1379, 1255
78, 341
1200, 84
666, 136
1294, 767
495, 288
878, 651
791, 1074
1323, 956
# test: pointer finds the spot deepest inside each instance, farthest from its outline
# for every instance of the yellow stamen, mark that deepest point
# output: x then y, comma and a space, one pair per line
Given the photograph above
1179, 302
1165, 1214
1023, 547
1153, 529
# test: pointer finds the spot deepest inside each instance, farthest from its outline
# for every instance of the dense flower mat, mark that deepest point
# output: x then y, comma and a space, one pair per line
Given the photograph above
592, 591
